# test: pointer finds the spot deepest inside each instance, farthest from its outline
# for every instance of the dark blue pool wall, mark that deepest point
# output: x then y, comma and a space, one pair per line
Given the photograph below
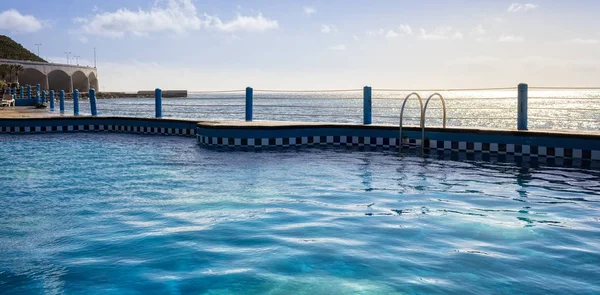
574, 145
518, 143
96, 124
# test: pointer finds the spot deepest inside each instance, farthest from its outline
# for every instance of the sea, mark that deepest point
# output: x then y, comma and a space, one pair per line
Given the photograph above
547, 109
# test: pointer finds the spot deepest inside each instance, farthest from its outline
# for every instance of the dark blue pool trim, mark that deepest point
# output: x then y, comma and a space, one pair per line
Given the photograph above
561, 145
96, 124
583, 146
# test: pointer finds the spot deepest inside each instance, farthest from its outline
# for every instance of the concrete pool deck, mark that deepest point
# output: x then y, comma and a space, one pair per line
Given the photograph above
28, 112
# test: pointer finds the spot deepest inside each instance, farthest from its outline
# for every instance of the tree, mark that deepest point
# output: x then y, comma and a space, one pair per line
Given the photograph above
4, 70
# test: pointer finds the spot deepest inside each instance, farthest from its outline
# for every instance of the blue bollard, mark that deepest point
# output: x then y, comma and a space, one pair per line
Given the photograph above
43, 96
522, 107
367, 105
29, 92
249, 97
51, 98
62, 101
76, 102
21, 93
158, 103
93, 102
37, 94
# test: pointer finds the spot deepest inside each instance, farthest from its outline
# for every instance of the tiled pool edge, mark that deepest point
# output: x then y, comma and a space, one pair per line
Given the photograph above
560, 145
99, 124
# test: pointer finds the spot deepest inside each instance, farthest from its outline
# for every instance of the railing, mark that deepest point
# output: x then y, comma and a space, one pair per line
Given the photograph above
504, 107
473, 107
576, 108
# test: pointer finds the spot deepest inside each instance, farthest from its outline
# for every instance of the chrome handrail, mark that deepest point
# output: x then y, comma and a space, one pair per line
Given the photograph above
402, 113
423, 117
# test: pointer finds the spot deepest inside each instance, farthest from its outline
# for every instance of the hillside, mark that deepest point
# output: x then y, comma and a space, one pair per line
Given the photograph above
10, 49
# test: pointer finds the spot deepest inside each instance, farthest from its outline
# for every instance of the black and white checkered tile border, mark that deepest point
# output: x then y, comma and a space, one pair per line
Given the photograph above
303, 141
455, 146
98, 128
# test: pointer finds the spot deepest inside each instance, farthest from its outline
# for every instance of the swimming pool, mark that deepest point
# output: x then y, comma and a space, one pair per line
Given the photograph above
135, 214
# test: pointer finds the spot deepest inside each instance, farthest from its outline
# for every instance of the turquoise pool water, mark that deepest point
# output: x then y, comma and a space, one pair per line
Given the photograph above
132, 214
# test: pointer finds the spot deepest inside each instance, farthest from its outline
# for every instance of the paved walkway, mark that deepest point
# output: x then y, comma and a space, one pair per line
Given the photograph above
28, 112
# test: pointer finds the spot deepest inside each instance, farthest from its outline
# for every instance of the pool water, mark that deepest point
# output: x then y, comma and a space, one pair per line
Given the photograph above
134, 214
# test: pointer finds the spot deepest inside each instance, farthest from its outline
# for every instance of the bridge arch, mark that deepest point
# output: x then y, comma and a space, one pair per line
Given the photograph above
30, 76
81, 82
93, 81
59, 80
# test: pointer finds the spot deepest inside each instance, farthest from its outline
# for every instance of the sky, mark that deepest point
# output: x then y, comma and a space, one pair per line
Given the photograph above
320, 44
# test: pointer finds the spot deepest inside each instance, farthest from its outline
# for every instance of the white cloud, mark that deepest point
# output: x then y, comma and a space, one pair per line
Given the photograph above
355, 38
478, 31
14, 22
391, 34
309, 10
325, 29
516, 7
176, 16
441, 33
586, 41
338, 47
403, 30
406, 29
242, 23
379, 32
511, 38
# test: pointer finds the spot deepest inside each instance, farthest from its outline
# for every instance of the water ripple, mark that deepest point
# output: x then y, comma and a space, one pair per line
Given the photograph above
146, 214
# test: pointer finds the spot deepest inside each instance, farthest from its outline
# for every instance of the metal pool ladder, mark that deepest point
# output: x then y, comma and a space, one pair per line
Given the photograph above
423, 112
401, 141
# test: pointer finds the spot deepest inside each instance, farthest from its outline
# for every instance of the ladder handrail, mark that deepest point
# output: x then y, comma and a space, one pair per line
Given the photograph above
402, 113
424, 113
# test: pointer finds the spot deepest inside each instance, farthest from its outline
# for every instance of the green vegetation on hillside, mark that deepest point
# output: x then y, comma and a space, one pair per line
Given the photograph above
10, 49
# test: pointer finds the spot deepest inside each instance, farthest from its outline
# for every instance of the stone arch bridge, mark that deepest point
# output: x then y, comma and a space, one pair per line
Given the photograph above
52, 76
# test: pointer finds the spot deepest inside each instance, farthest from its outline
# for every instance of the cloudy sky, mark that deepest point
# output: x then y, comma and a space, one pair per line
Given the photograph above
326, 44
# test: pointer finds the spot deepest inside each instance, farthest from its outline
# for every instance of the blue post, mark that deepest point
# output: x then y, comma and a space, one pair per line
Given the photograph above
367, 102
76, 102
158, 103
43, 96
37, 94
21, 93
249, 94
522, 107
62, 101
51, 98
93, 102
29, 92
